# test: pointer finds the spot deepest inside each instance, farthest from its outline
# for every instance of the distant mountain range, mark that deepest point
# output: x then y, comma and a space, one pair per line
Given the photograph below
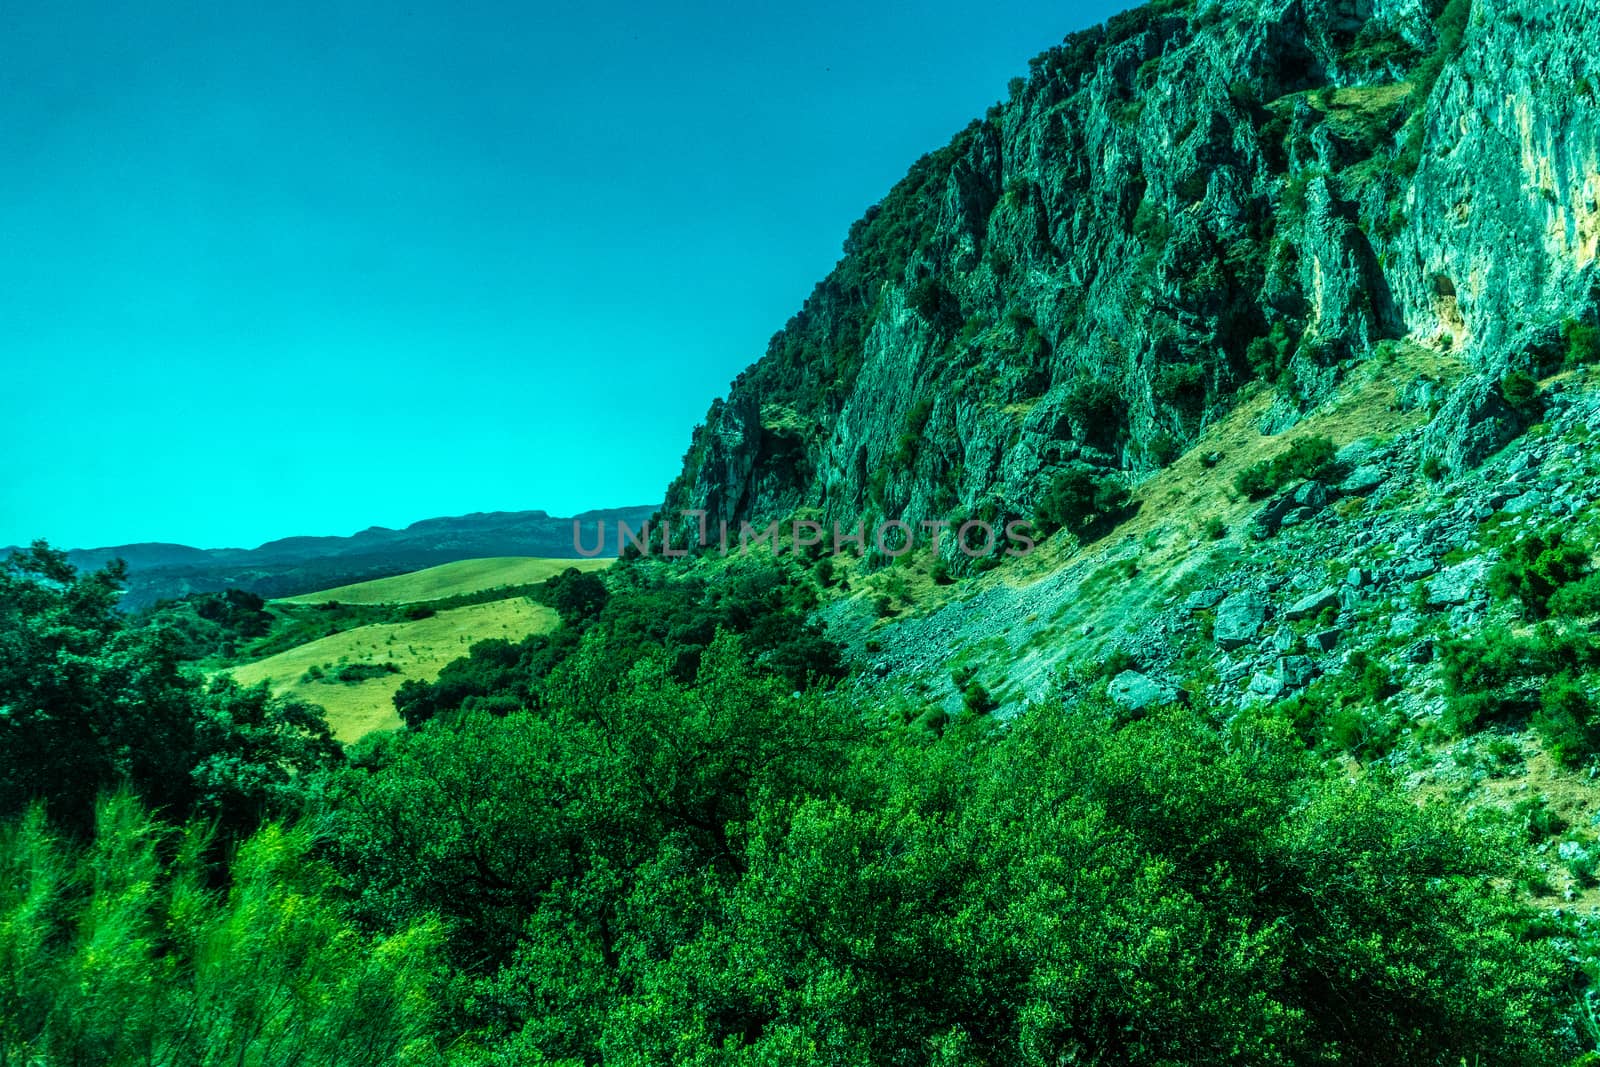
295, 565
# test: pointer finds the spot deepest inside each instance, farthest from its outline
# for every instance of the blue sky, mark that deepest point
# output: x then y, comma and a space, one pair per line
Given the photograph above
303, 268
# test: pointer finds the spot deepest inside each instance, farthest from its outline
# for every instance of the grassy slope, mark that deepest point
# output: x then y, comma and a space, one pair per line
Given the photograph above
419, 648
450, 579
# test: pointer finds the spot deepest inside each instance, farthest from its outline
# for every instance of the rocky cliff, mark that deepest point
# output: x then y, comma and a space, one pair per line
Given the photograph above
1191, 199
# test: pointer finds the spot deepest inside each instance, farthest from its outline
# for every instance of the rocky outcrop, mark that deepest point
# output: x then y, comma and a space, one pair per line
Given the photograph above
1170, 207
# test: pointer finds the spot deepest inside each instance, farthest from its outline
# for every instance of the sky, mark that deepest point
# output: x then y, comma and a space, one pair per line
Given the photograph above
307, 267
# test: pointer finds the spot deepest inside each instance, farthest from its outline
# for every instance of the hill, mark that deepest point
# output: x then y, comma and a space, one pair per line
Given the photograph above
449, 580
395, 652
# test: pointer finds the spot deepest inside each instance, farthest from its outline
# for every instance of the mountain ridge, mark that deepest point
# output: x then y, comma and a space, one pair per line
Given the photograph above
292, 565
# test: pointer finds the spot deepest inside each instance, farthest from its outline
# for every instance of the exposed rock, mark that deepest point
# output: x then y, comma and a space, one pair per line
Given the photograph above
1324, 640
1475, 423
1266, 686
1313, 604
1523, 504
1458, 584
1204, 599
1311, 495
1136, 692
1294, 672
1094, 233
1239, 619
1363, 480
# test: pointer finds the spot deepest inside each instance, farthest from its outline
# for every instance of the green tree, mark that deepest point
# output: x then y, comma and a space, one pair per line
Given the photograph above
89, 701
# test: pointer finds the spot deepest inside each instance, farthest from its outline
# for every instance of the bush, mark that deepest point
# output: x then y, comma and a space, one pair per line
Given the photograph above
355, 673
1519, 390
1539, 567
1566, 719
1309, 458
1163, 449
910, 440
1181, 386
1080, 498
978, 700
1541, 678
1583, 343
936, 305
1097, 409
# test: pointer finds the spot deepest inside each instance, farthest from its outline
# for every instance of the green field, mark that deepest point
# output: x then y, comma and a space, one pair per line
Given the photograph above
450, 579
418, 648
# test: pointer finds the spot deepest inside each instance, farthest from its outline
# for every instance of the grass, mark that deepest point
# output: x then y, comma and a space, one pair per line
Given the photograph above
451, 579
418, 648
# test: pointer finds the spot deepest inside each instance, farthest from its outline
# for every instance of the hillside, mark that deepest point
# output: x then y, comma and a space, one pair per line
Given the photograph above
349, 649
414, 649
449, 580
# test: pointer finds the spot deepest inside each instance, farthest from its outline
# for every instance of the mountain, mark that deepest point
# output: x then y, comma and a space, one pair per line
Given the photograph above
294, 565
1278, 320
1186, 204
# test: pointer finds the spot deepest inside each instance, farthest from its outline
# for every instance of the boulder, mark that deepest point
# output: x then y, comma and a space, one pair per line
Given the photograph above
1325, 640
1363, 480
1458, 584
1136, 692
1239, 619
1204, 599
1313, 604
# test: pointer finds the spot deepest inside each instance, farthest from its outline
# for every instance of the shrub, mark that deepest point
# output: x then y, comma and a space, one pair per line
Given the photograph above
1566, 719
1309, 458
1504, 676
1080, 497
1583, 343
1519, 390
1163, 449
1577, 600
978, 700
355, 673
1536, 569
1266, 355
1214, 529
1255, 481
936, 304
1181, 386
1097, 408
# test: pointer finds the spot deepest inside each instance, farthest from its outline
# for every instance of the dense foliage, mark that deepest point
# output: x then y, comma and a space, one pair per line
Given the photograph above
651, 837
721, 872
657, 609
124, 951
89, 701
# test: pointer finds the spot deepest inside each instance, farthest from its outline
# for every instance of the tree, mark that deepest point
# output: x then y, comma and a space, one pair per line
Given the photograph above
89, 701
1080, 497
577, 596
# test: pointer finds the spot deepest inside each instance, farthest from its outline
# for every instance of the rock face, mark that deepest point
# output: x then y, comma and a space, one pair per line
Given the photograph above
1168, 208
